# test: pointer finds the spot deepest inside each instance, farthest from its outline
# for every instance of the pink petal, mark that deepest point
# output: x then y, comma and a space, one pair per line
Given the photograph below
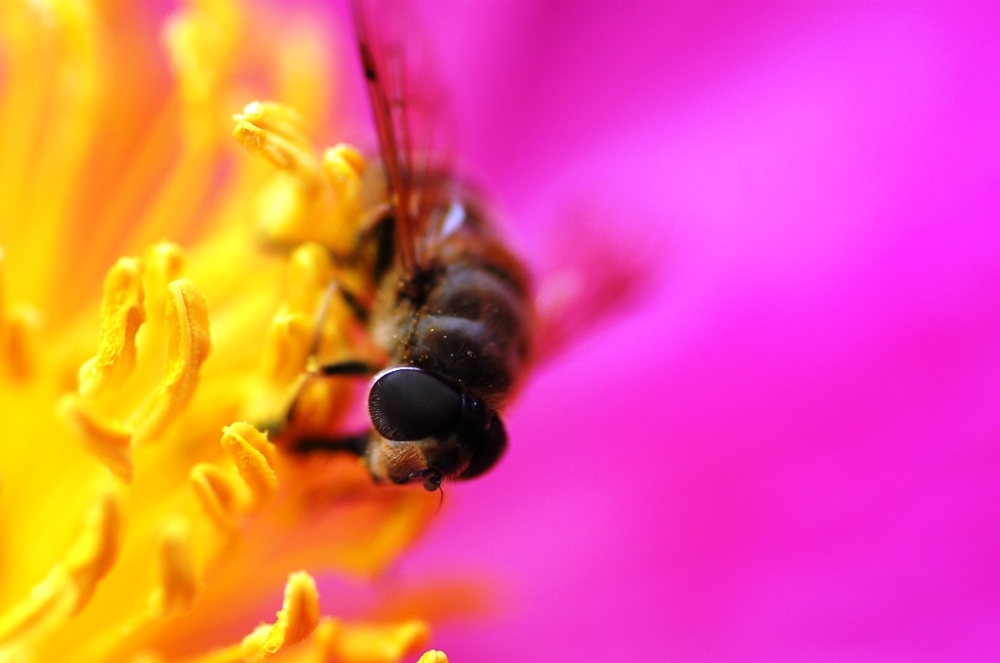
790, 450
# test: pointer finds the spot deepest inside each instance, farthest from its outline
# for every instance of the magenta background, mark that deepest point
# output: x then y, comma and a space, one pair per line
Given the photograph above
788, 449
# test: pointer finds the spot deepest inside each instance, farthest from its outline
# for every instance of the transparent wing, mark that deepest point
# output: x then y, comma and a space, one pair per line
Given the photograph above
410, 108
604, 275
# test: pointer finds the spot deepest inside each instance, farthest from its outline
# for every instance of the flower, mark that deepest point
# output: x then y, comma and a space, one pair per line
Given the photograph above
788, 451
146, 516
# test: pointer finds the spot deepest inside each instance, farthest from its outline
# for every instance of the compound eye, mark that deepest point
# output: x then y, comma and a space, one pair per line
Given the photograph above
407, 403
487, 450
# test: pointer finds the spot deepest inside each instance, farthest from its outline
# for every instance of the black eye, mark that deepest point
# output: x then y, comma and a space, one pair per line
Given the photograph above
487, 449
409, 403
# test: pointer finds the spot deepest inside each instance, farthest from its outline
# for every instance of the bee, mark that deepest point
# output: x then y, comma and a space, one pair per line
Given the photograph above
452, 309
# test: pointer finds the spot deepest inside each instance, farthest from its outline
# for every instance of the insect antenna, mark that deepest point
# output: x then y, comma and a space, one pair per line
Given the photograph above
441, 501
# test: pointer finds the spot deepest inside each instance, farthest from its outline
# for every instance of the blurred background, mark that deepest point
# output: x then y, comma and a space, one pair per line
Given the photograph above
785, 448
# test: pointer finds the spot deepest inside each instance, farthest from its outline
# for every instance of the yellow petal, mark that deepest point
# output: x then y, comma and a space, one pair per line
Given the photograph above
63, 38
201, 42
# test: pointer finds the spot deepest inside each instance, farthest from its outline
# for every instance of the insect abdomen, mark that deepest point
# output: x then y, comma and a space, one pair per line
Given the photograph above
474, 330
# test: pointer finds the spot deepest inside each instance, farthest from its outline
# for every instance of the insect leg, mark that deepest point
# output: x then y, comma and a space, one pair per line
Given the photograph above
349, 367
353, 303
353, 444
349, 298
345, 368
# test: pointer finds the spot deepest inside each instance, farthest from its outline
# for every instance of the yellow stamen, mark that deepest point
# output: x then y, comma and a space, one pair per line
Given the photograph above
311, 271
294, 337
310, 279
95, 552
109, 440
164, 262
329, 640
48, 606
17, 326
316, 197
216, 494
287, 150
250, 451
105, 153
344, 163
281, 376
179, 585
71, 583
378, 643
289, 341
17, 341
188, 346
277, 119
122, 313
298, 617
344, 167
433, 656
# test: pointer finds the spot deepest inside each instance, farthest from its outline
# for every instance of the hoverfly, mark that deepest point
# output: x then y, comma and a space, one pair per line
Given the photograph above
452, 308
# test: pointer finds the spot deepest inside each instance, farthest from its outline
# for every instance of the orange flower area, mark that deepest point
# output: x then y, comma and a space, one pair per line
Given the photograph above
144, 512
